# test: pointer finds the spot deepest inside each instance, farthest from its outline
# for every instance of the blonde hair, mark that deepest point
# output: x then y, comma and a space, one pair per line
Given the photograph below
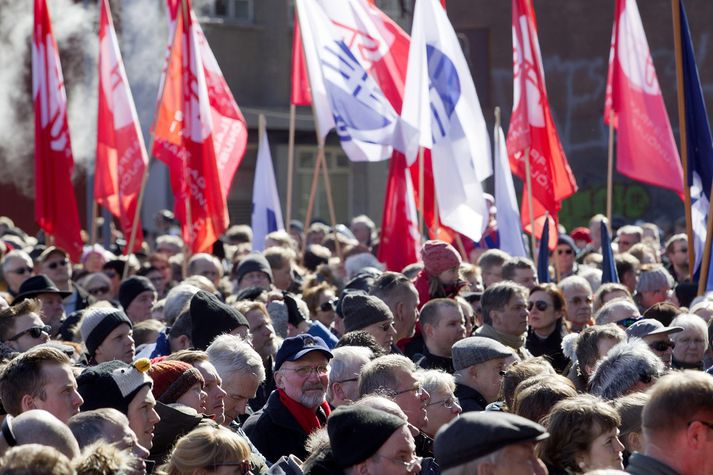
207, 448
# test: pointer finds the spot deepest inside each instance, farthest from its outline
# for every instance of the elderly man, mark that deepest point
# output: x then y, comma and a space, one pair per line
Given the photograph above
370, 314
676, 425
621, 311
16, 268
479, 363
399, 293
215, 394
344, 372
656, 335
505, 316
206, 265
107, 334
442, 325
21, 327
520, 270
41, 378
54, 263
298, 407
494, 443
578, 301
106, 425
627, 236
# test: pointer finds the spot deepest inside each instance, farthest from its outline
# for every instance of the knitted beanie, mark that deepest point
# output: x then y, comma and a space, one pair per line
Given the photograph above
112, 384
361, 310
97, 323
210, 317
251, 263
132, 287
439, 256
171, 379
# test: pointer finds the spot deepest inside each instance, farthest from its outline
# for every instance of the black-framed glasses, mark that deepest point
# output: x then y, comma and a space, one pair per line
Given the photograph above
21, 270
98, 290
449, 403
56, 264
34, 332
629, 321
540, 305
329, 306
662, 345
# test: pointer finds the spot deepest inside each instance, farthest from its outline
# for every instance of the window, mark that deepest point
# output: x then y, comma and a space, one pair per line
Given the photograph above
241, 11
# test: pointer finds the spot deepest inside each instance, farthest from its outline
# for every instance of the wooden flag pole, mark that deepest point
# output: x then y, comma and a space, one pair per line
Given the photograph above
610, 171
330, 205
313, 187
421, 181
676, 10
290, 164
530, 207
95, 211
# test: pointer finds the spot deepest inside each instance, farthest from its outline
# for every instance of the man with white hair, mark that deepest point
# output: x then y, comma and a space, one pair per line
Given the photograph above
16, 268
206, 265
578, 299
344, 372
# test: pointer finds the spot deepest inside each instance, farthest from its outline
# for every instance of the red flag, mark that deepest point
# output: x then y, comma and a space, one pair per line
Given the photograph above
121, 153
185, 138
56, 206
300, 94
646, 150
531, 126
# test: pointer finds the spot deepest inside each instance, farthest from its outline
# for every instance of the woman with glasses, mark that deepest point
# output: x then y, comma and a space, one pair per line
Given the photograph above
545, 324
690, 344
209, 450
322, 302
443, 406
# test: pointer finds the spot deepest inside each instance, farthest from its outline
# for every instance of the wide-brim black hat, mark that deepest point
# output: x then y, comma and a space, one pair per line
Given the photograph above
36, 285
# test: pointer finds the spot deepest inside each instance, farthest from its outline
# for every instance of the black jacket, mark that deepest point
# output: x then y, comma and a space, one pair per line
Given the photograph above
265, 388
428, 360
275, 432
469, 398
550, 347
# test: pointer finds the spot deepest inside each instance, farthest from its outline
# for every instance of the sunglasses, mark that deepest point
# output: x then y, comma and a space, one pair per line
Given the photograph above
34, 332
98, 290
21, 270
565, 251
627, 322
329, 305
56, 264
662, 345
540, 305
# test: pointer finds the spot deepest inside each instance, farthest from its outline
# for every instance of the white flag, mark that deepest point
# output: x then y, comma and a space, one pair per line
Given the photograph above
267, 213
440, 102
509, 228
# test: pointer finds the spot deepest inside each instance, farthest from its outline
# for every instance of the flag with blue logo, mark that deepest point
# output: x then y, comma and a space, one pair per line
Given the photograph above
441, 103
609, 274
267, 213
509, 227
700, 147
344, 96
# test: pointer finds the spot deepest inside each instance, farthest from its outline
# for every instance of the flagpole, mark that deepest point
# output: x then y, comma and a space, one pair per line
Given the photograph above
95, 210
290, 164
330, 205
676, 10
531, 209
421, 180
610, 169
313, 187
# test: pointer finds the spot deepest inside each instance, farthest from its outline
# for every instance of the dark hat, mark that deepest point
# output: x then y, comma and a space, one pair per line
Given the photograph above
568, 241
210, 317
112, 384
251, 263
358, 432
477, 434
172, 379
439, 256
36, 285
132, 287
49, 251
361, 310
296, 347
249, 293
475, 350
649, 326
97, 323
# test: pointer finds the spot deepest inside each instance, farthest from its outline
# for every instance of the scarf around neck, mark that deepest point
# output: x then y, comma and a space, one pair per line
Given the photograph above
514, 342
305, 417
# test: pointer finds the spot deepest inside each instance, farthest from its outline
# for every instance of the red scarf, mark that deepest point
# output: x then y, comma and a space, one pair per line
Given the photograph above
305, 417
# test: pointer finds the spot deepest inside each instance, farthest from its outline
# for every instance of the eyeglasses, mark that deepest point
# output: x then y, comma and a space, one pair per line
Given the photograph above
565, 251
98, 290
662, 345
329, 306
418, 391
34, 332
449, 403
56, 264
408, 464
305, 371
629, 321
540, 305
21, 270
244, 466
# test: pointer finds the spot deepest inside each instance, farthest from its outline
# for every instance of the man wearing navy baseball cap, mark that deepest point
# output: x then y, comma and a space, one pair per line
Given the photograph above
297, 407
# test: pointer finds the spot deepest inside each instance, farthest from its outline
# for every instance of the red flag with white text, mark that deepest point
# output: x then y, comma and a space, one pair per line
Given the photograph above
646, 150
55, 204
121, 154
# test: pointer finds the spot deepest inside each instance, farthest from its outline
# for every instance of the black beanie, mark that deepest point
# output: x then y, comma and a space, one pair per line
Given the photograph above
358, 432
132, 287
361, 310
210, 317
251, 263
112, 384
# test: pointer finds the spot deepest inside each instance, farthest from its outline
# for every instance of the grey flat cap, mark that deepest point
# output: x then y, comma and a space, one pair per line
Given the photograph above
477, 349
477, 434
649, 326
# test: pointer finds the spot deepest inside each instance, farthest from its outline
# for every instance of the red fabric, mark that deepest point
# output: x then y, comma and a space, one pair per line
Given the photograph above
540, 214
300, 93
121, 153
55, 204
305, 417
531, 126
645, 148
199, 133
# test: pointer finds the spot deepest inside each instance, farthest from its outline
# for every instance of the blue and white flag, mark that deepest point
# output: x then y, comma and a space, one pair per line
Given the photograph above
440, 102
509, 227
267, 213
344, 95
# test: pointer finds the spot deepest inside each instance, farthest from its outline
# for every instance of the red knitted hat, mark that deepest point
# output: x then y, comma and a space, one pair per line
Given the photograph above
171, 379
439, 256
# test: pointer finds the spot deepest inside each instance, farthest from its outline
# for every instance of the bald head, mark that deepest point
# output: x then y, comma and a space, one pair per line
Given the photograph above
40, 427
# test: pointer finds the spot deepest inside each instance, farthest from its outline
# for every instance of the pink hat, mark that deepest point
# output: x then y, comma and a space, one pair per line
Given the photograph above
439, 256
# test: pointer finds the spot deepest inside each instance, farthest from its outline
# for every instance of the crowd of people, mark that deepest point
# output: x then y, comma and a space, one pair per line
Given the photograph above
308, 357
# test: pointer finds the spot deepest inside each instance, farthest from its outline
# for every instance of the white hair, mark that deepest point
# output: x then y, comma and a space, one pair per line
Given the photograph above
177, 300
343, 364
357, 262
689, 320
231, 354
